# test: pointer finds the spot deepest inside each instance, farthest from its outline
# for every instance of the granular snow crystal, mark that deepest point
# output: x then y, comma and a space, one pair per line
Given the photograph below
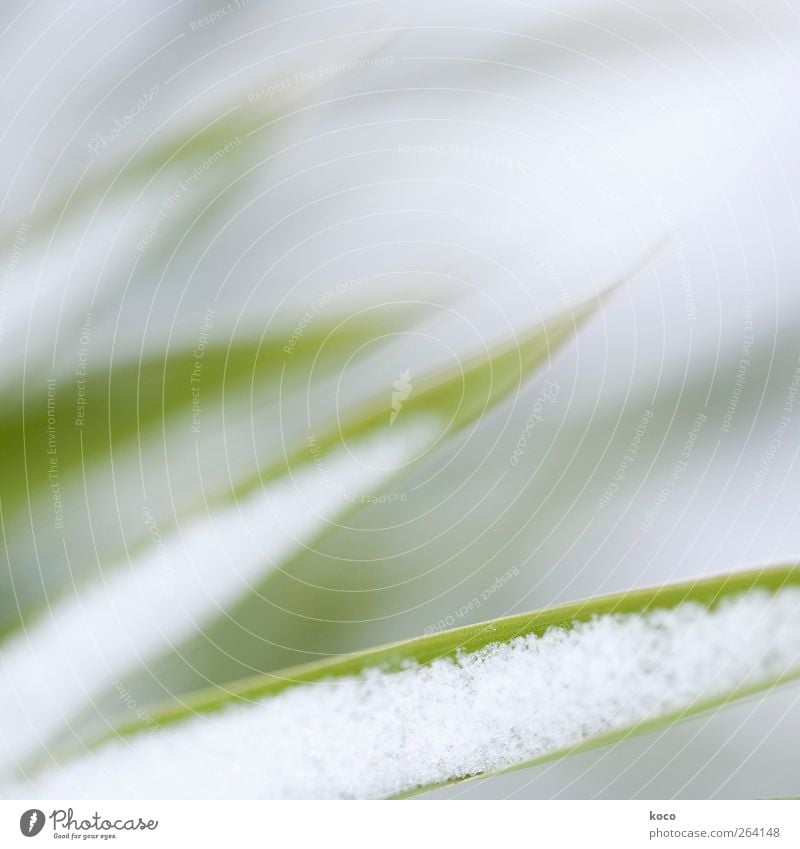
378, 733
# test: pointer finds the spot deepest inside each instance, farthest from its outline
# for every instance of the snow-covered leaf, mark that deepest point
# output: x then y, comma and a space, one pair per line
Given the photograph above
500, 695
235, 530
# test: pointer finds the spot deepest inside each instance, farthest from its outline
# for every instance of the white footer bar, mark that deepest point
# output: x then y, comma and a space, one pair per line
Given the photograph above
465, 824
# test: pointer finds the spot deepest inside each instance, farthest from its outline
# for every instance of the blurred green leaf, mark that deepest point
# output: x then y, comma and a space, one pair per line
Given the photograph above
256, 527
122, 407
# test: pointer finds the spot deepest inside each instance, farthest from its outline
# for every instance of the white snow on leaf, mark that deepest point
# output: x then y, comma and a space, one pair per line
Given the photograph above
52, 669
379, 734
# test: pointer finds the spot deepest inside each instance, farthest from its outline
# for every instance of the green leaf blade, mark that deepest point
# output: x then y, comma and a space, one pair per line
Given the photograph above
708, 608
